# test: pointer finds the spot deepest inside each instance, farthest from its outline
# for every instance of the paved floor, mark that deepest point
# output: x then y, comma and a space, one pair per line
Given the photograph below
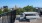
0, 20
32, 21
16, 21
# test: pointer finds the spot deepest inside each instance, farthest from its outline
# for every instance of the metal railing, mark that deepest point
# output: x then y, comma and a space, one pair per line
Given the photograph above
8, 17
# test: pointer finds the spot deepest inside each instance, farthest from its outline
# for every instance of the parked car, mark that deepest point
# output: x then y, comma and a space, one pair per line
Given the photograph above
29, 15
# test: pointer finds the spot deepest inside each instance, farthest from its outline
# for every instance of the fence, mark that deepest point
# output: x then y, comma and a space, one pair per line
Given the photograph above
9, 17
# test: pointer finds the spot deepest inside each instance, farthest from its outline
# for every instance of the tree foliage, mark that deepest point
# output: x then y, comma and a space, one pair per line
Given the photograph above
25, 9
19, 10
5, 10
1, 11
28, 8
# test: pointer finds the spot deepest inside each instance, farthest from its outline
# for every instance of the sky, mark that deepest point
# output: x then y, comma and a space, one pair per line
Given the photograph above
21, 3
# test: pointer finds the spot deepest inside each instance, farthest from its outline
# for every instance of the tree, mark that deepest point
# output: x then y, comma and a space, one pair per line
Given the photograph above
5, 10
20, 10
1, 11
34, 9
28, 8
25, 9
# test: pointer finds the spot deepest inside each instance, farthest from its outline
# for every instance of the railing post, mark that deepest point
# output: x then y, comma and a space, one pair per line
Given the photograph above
13, 16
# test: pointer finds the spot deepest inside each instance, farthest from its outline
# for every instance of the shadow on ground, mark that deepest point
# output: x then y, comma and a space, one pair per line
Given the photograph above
22, 20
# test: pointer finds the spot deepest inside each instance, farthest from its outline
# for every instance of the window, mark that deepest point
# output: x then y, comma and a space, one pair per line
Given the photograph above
30, 15
21, 15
